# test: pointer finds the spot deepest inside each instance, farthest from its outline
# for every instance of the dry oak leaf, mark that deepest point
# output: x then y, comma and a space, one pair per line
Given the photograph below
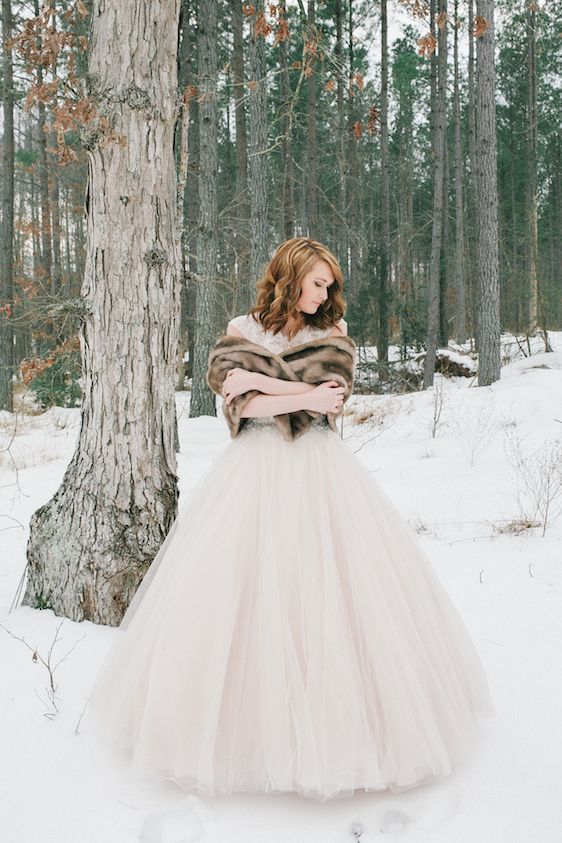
480, 26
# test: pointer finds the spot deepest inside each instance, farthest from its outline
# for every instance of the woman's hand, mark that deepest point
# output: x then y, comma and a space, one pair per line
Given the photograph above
236, 382
325, 398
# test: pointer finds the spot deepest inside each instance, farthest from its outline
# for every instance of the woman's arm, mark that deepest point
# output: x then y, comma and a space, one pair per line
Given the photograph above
273, 386
279, 386
272, 405
279, 395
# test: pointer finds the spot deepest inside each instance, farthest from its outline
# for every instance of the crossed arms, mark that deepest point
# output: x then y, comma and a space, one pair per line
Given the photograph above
280, 396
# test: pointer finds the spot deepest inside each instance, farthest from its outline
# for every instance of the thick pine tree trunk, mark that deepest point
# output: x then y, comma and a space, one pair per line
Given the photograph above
487, 257
91, 544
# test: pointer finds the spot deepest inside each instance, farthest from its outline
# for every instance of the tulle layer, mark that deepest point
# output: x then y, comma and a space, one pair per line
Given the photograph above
292, 637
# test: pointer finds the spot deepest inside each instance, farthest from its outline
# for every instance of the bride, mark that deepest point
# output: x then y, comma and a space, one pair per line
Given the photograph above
291, 634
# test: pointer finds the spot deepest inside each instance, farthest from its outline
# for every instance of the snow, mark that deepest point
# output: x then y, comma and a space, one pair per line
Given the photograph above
459, 488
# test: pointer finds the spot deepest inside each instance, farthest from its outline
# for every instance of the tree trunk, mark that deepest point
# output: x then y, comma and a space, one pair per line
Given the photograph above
472, 186
191, 207
312, 147
437, 230
353, 179
7, 236
258, 155
244, 290
46, 252
342, 242
443, 335
384, 266
532, 201
54, 203
92, 543
487, 259
287, 174
202, 398
181, 145
460, 310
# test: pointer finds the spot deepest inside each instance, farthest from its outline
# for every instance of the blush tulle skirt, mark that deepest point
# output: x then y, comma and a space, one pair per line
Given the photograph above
291, 635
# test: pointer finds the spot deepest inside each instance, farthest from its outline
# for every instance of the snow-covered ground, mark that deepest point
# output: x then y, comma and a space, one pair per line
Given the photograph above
448, 457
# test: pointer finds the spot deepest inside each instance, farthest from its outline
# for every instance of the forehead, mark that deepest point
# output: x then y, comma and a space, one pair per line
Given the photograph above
321, 271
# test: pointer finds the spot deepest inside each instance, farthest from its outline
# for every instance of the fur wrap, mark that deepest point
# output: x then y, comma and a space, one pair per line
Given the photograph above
331, 358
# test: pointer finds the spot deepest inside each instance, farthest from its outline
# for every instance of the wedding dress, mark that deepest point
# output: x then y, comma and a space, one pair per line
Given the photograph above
291, 634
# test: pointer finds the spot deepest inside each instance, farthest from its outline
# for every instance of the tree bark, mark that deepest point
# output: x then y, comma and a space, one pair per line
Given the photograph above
287, 173
91, 544
7, 237
472, 186
202, 397
244, 291
460, 307
258, 154
46, 250
532, 193
353, 180
487, 258
437, 230
312, 146
384, 265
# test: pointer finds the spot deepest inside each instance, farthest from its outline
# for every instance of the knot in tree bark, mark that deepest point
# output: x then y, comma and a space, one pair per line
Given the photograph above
154, 257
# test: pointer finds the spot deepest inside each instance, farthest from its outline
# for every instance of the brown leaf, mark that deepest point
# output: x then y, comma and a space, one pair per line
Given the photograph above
480, 26
282, 32
262, 26
427, 44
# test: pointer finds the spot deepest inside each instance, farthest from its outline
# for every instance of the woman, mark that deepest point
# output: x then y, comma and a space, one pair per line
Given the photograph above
291, 635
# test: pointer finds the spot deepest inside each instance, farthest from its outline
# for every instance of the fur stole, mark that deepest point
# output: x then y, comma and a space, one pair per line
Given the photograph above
327, 359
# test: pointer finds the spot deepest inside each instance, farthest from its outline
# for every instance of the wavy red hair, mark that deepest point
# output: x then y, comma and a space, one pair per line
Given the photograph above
279, 288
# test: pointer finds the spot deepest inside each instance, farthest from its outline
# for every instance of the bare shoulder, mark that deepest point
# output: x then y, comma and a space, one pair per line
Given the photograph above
234, 325
340, 329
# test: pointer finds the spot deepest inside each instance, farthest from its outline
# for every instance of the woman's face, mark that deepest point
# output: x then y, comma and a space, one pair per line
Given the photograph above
315, 287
